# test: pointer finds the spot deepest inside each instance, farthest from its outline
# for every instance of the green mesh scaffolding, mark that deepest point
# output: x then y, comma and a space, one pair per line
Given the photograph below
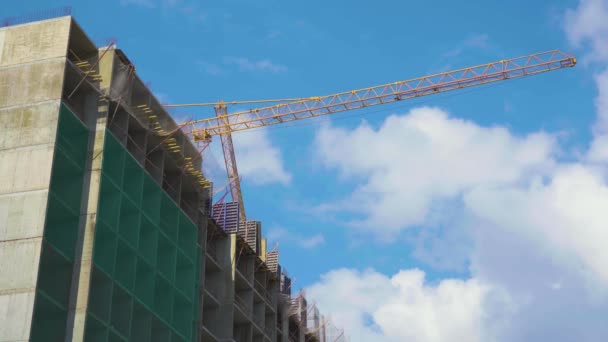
61, 229
146, 259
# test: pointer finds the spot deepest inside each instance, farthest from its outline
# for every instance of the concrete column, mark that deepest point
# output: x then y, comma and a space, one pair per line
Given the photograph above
32, 65
226, 309
95, 117
285, 320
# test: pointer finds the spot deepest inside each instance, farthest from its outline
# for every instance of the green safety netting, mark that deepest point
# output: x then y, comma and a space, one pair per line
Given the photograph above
61, 229
146, 259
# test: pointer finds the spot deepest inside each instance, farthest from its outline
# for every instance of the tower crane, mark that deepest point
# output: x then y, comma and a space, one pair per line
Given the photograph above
292, 109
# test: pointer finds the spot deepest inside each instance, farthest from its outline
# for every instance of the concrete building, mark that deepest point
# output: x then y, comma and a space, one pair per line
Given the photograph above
107, 232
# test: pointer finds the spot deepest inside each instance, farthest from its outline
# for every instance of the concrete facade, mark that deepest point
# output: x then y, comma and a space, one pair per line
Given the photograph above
51, 70
33, 57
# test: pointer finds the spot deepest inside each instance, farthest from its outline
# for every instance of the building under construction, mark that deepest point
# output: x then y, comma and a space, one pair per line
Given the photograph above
107, 230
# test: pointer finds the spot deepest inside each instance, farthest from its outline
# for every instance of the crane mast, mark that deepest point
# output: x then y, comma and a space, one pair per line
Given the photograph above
224, 123
230, 161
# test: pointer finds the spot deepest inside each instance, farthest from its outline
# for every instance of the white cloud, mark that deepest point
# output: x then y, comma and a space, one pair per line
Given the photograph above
262, 65
588, 23
445, 243
542, 245
566, 218
373, 307
598, 151
538, 249
210, 68
258, 159
312, 241
475, 41
277, 233
479, 40
282, 235
411, 161
538, 263
536, 226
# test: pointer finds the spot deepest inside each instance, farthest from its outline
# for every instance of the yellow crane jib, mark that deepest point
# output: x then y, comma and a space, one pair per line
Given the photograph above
287, 110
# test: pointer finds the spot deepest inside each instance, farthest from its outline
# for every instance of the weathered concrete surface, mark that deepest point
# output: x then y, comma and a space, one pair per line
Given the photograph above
25, 168
95, 117
2, 39
20, 255
16, 308
31, 83
34, 42
14, 225
28, 125
32, 64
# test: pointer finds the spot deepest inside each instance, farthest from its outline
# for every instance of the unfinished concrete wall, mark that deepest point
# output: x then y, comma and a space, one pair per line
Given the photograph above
32, 63
33, 42
217, 285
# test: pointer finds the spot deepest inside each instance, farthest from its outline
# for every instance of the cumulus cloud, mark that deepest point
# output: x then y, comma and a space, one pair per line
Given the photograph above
598, 151
587, 25
567, 217
538, 249
542, 244
258, 159
537, 226
415, 159
373, 307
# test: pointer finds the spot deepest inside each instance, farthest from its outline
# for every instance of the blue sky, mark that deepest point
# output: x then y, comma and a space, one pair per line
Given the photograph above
330, 205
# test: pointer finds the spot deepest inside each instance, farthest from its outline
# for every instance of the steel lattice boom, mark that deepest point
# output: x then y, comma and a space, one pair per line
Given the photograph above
386, 93
230, 162
223, 124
